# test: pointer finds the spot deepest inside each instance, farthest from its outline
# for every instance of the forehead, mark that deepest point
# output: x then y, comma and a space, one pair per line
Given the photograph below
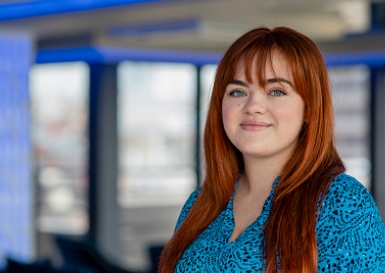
264, 67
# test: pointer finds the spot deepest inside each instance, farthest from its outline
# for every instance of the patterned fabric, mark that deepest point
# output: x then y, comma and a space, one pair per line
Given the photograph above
350, 235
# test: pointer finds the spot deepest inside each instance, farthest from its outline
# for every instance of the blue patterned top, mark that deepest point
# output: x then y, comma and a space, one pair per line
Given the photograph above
350, 235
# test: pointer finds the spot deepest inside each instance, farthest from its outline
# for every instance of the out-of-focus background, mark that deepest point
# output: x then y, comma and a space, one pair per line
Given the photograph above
102, 109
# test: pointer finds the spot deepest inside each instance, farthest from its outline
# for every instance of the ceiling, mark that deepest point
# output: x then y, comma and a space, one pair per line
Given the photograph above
198, 25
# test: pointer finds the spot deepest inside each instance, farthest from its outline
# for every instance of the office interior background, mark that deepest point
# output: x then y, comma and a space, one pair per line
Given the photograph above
103, 102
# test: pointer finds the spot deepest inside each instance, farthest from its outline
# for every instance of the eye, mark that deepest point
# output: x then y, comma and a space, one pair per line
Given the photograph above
237, 93
277, 93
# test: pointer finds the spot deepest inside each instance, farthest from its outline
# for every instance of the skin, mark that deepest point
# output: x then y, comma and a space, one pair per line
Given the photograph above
263, 123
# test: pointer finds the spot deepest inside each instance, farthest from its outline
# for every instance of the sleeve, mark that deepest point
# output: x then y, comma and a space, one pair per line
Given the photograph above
186, 207
350, 231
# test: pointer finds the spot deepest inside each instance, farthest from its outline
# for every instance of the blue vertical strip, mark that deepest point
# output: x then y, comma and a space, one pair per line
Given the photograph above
16, 191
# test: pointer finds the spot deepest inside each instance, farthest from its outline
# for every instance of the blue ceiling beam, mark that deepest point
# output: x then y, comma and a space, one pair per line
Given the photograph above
35, 8
102, 54
370, 58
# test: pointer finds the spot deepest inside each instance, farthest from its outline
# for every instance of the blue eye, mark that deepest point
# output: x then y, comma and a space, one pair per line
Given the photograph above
277, 93
237, 93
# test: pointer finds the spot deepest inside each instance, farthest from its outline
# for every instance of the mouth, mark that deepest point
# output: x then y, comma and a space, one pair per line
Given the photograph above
251, 125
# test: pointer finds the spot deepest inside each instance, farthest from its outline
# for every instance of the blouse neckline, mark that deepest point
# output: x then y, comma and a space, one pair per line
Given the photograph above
259, 221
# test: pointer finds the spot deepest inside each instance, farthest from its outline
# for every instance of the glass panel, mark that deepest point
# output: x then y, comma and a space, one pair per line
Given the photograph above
156, 123
59, 97
156, 133
351, 98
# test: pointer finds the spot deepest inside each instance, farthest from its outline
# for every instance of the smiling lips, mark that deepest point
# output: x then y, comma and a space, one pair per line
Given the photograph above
252, 125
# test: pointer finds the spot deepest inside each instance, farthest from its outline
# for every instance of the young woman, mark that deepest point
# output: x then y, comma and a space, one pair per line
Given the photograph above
275, 197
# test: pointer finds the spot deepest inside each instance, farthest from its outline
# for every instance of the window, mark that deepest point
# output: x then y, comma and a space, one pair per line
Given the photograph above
157, 142
59, 100
156, 132
351, 98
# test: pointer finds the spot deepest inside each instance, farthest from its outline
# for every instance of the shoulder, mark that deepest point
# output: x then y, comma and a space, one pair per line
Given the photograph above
347, 192
346, 195
346, 184
187, 206
347, 200
350, 231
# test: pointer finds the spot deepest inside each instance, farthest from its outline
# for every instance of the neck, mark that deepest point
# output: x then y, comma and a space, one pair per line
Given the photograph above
259, 174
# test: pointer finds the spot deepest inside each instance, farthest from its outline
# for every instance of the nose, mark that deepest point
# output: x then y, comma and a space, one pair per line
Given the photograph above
256, 103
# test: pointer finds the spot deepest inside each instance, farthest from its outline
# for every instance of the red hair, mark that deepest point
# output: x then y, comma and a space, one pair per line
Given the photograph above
290, 243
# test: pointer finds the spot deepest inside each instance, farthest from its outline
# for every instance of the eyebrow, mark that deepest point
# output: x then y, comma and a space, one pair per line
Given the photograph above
275, 80
268, 81
239, 82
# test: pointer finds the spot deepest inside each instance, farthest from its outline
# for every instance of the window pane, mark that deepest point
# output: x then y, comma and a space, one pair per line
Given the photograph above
59, 97
351, 98
156, 123
156, 133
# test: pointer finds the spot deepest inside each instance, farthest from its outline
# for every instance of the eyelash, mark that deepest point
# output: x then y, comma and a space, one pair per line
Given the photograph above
240, 93
281, 93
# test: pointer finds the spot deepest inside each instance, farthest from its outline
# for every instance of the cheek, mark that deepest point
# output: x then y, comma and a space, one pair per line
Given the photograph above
229, 115
291, 116
295, 119
225, 110
226, 116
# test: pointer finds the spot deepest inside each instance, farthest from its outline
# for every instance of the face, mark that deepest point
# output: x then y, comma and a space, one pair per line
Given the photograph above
264, 122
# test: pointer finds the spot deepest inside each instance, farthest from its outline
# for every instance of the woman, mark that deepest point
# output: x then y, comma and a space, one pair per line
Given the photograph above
275, 197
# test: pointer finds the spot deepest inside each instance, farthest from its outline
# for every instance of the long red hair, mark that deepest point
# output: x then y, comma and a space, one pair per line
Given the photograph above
289, 234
